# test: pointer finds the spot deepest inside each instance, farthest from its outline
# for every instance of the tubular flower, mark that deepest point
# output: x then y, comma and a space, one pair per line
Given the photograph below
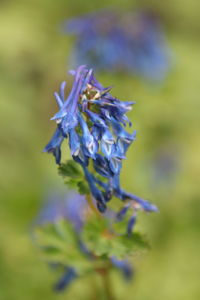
94, 122
131, 42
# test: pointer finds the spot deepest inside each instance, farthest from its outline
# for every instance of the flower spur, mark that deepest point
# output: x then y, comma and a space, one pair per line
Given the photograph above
94, 122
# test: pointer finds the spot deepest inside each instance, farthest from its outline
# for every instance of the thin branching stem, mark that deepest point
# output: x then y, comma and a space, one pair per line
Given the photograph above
92, 206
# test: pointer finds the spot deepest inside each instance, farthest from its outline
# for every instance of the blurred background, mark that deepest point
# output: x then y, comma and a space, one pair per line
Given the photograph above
163, 164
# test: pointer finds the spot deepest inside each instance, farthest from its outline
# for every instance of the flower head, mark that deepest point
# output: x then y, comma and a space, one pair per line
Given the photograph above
94, 123
131, 42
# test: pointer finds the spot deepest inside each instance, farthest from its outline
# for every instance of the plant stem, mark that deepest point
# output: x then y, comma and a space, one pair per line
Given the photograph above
107, 285
104, 273
92, 206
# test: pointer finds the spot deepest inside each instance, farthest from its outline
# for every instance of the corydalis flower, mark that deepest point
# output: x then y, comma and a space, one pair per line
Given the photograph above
72, 207
98, 37
131, 42
94, 122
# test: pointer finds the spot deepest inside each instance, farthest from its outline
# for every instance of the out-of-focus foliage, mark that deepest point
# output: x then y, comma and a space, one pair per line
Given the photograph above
75, 241
103, 242
59, 244
33, 57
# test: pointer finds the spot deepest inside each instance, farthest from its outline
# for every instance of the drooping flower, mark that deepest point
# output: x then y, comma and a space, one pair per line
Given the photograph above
94, 123
54, 145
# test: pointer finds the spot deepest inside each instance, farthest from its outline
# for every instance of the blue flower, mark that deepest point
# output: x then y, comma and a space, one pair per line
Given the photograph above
94, 123
124, 266
146, 205
107, 142
101, 166
96, 193
72, 207
109, 40
121, 214
89, 142
66, 279
54, 145
131, 224
74, 142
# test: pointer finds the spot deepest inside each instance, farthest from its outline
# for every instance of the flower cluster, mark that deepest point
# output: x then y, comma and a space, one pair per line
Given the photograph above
74, 209
94, 123
131, 42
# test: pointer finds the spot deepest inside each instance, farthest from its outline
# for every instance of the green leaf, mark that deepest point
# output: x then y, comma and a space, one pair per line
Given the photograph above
72, 183
83, 188
74, 177
59, 243
70, 169
102, 240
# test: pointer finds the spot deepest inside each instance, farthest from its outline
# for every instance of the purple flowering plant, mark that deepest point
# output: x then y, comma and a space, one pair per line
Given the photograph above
131, 42
94, 123
87, 234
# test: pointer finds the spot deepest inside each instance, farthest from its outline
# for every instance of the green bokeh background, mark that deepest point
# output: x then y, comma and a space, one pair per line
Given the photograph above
33, 61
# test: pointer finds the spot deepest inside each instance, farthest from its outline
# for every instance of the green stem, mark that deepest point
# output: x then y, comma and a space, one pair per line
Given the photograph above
105, 275
107, 286
92, 206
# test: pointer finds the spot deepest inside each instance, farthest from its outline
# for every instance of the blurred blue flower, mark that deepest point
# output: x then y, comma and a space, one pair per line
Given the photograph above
66, 279
130, 42
164, 166
71, 207
124, 266
94, 122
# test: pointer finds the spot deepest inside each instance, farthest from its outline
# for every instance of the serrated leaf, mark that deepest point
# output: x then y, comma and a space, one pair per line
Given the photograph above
59, 243
83, 188
70, 169
74, 177
103, 241
72, 183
